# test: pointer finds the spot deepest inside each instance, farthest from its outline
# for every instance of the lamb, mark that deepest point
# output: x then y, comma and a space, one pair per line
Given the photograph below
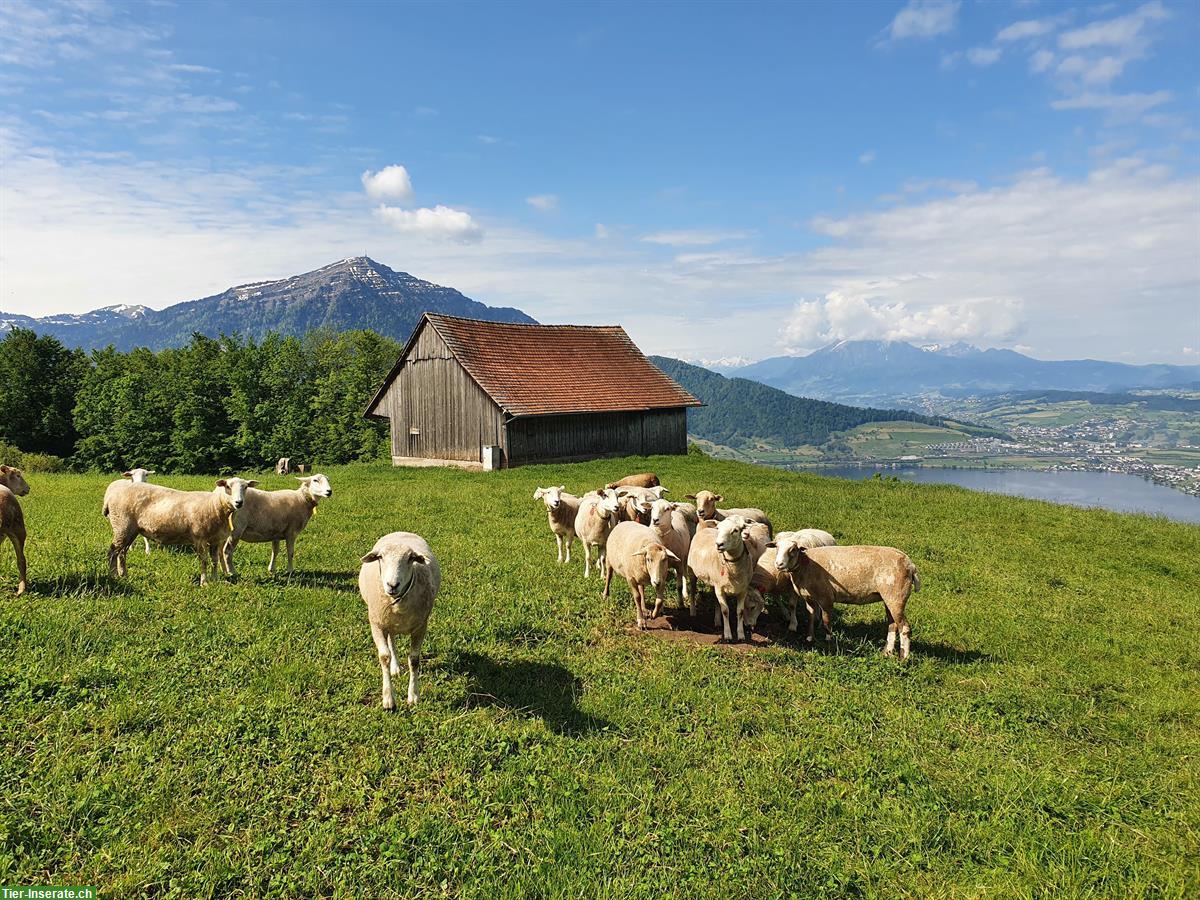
671, 528
645, 479
720, 557
706, 508
634, 552
277, 516
596, 518
134, 476
561, 510
12, 520
399, 580
202, 519
859, 575
769, 579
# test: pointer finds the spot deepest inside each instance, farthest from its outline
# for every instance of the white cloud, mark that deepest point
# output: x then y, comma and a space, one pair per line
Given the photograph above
924, 19
983, 56
694, 237
867, 158
1121, 107
1122, 31
439, 223
1041, 61
488, 139
389, 183
602, 232
543, 202
189, 69
1024, 30
1092, 71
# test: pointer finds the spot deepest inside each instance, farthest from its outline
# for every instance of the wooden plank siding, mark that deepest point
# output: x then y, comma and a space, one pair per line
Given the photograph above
582, 436
433, 394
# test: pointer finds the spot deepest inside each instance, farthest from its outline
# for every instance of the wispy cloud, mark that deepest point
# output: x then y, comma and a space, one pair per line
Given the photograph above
983, 56
543, 202
923, 19
694, 237
867, 157
1026, 29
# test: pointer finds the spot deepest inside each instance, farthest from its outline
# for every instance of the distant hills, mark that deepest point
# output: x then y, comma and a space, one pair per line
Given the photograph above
739, 412
353, 293
882, 371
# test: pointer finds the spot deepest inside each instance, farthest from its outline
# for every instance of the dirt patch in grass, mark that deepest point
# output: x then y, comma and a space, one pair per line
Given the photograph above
677, 625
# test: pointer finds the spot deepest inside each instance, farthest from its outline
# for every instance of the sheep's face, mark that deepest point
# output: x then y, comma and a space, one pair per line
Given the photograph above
318, 485
657, 491
658, 563
551, 496
731, 536
398, 569
754, 606
660, 512
14, 480
235, 490
788, 554
138, 476
608, 506
756, 533
706, 503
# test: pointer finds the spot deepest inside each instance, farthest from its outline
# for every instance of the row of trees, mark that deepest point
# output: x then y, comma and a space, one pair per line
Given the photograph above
214, 405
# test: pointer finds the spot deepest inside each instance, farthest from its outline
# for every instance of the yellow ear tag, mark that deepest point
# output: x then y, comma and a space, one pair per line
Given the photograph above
314, 512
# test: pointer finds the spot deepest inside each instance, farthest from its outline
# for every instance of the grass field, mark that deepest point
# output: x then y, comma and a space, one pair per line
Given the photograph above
167, 740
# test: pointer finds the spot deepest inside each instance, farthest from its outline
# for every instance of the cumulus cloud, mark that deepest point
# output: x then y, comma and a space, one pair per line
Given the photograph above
389, 183
1121, 107
983, 56
694, 237
1123, 31
543, 202
1024, 30
924, 19
439, 223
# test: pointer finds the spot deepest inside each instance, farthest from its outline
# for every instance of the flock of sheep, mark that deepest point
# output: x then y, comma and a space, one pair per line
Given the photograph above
634, 531
643, 537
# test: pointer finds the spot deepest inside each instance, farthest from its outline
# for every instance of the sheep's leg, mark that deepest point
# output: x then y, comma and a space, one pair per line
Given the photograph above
414, 664
659, 592
741, 617
587, 559
607, 578
570, 539
274, 553
383, 648
793, 622
723, 613
202, 551
692, 599
639, 603
18, 542
394, 668
146, 541
890, 648
898, 625
558, 541
291, 549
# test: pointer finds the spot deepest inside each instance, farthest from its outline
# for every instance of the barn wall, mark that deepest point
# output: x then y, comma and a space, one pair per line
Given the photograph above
591, 435
433, 394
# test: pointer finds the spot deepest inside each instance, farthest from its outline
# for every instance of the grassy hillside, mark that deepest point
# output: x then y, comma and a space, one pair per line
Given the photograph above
164, 739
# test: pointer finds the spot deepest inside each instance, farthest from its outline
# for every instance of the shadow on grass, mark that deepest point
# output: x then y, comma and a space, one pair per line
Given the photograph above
868, 638
527, 688
80, 585
343, 582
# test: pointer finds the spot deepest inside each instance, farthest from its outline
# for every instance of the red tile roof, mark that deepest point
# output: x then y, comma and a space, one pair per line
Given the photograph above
535, 370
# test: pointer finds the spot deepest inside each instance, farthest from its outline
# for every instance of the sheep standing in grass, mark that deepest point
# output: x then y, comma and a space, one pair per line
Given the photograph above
561, 510
706, 508
202, 520
277, 516
635, 553
12, 520
597, 516
827, 575
721, 558
769, 579
399, 580
671, 528
133, 476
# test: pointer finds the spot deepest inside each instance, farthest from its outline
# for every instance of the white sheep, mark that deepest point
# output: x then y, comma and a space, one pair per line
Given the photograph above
12, 520
768, 578
134, 476
706, 508
399, 581
202, 520
596, 518
277, 516
859, 575
721, 558
671, 527
561, 510
635, 553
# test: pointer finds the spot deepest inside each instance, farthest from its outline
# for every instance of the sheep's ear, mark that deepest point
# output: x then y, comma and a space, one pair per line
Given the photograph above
663, 490
772, 545
221, 482
562, 487
4, 470
539, 493
305, 478
422, 559
127, 475
690, 496
671, 555
251, 483
151, 472
717, 498
370, 557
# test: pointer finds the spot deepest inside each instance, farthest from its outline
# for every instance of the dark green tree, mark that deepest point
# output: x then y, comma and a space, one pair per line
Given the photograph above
39, 378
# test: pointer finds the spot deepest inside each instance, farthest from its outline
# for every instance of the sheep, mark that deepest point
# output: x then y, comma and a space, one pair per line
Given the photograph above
645, 479
768, 578
857, 574
134, 476
721, 558
283, 466
688, 511
596, 518
706, 508
399, 580
277, 516
634, 552
671, 528
12, 520
636, 502
201, 519
561, 510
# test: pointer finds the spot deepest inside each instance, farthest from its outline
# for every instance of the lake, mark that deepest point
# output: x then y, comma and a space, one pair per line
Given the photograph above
1110, 490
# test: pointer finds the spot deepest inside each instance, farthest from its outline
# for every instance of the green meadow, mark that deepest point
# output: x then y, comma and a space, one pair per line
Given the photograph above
162, 739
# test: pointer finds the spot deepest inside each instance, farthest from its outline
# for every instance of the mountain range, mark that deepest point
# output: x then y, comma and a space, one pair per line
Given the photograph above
352, 293
865, 372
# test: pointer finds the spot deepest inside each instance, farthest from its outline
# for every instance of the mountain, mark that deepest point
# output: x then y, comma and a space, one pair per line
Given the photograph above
881, 371
353, 293
738, 411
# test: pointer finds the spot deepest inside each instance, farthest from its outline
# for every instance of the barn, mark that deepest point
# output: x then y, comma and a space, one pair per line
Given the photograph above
530, 393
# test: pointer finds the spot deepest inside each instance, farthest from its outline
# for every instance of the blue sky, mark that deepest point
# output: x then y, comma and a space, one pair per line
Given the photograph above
726, 180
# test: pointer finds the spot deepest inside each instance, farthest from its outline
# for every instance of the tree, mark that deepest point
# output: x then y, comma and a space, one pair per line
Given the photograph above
38, 382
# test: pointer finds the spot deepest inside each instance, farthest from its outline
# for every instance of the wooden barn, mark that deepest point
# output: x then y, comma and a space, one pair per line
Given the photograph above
493, 394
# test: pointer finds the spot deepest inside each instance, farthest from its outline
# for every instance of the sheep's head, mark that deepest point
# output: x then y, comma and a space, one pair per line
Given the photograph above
14, 480
658, 490
398, 567
754, 606
788, 553
608, 506
658, 563
635, 508
732, 534
318, 485
706, 503
138, 476
235, 490
551, 496
660, 511
757, 534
